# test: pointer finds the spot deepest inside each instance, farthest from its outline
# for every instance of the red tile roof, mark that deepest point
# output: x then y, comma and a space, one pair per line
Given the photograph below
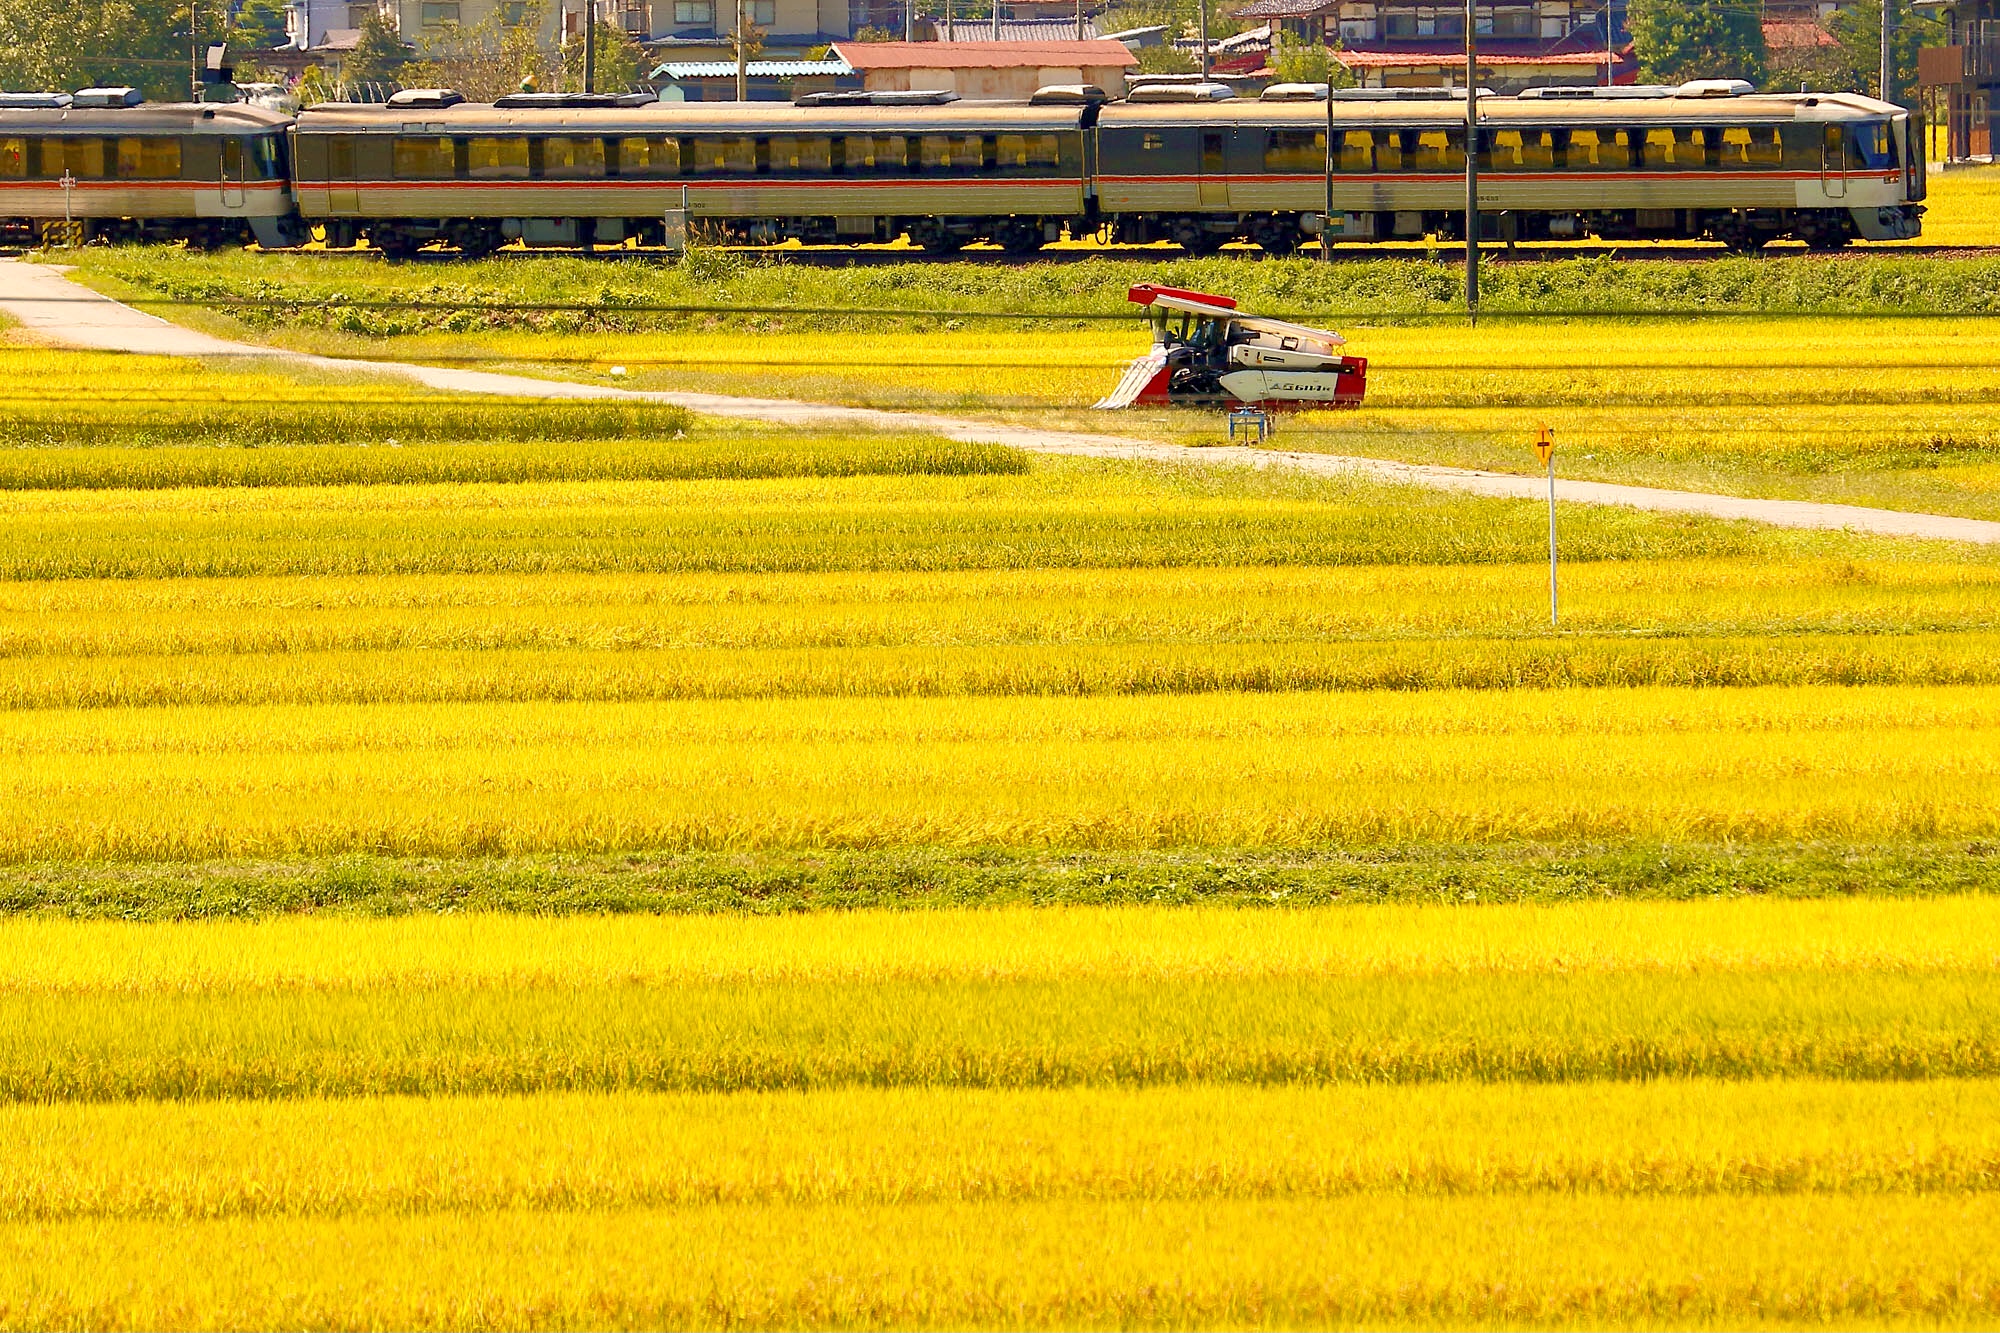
983, 55
1425, 57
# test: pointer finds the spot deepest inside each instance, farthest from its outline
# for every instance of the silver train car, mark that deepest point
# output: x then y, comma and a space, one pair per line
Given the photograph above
103, 166
1704, 162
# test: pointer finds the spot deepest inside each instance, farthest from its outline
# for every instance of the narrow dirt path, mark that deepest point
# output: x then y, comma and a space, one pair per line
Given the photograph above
50, 307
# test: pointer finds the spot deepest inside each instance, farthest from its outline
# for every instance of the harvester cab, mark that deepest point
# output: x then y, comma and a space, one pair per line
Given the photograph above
1207, 353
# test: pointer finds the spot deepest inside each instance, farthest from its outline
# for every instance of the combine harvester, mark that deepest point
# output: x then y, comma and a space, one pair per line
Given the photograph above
1207, 353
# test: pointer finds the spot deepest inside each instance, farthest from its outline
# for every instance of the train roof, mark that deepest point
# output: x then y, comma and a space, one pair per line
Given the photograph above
688, 117
159, 118
1753, 109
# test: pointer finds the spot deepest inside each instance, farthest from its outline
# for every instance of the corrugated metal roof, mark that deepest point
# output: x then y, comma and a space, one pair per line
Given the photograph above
768, 69
983, 55
1023, 30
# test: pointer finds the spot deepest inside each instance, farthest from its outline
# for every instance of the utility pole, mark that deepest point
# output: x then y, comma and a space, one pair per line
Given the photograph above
909, 20
1204, 41
1471, 160
1888, 84
742, 58
996, 20
1079, 20
1610, 51
194, 49
590, 46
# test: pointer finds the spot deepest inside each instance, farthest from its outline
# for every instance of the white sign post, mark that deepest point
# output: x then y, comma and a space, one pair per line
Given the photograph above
68, 187
1545, 449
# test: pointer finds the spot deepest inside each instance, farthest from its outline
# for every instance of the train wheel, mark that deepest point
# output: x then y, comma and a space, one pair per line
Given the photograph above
1276, 236
1021, 236
1192, 237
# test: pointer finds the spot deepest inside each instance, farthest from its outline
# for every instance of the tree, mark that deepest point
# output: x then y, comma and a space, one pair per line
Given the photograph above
95, 43
491, 58
620, 61
258, 27
1679, 40
1164, 59
377, 55
1858, 31
1303, 60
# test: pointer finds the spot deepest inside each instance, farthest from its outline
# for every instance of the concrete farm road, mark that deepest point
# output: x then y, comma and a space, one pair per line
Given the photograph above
51, 308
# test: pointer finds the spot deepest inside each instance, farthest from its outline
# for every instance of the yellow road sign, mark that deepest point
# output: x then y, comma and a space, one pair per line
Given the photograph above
1545, 444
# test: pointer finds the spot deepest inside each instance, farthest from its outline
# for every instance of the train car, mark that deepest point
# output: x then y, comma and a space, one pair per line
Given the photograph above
477, 176
102, 165
1704, 161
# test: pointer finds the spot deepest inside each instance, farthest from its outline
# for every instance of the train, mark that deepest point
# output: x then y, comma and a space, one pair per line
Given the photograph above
1186, 163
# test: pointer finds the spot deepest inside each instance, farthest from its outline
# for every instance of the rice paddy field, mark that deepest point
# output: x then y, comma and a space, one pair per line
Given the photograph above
523, 864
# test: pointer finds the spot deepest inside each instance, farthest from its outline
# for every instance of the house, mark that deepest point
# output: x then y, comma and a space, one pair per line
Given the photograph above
988, 71
1964, 75
1401, 44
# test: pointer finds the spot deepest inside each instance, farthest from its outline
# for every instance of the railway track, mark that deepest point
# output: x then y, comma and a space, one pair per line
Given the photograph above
1688, 252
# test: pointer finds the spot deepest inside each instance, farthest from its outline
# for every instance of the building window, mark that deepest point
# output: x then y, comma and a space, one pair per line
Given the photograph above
1400, 23
358, 15
694, 11
514, 13
440, 13
1514, 23
763, 13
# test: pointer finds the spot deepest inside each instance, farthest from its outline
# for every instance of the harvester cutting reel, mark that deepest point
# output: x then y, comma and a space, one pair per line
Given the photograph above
1207, 353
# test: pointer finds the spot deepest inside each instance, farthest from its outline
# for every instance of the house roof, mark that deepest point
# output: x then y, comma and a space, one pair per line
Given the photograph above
1454, 55
1796, 35
1285, 9
983, 55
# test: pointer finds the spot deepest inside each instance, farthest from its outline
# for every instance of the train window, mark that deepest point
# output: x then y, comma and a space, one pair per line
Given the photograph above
649, 157
81, 158
149, 159
1295, 150
267, 158
1869, 144
1028, 150
1389, 148
1739, 149
725, 154
1674, 150
1356, 151
810, 154
950, 152
572, 159
1439, 150
1599, 150
497, 159
421, 159
1518, 150
874, 152
13, 157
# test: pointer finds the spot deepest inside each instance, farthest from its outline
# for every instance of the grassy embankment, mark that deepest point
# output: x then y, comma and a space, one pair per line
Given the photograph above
1858, 380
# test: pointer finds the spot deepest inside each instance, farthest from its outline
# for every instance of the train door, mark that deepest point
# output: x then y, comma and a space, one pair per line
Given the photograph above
232, 173
1833, 161
343, 194
1214, 169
